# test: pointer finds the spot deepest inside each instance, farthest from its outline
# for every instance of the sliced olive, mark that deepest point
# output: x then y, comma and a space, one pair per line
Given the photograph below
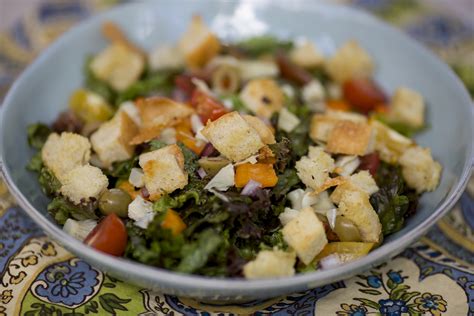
212, 165
115, 201
346, 230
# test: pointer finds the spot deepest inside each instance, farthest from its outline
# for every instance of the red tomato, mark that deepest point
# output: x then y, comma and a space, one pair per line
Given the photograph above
109, 236
370, 162
363, 94
207, 107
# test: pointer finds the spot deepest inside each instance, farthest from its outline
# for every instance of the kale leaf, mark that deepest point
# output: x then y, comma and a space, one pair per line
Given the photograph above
61, 209
37, 135
264, 44
196, 254
122, 169
36, 163
50, 185
282, 152
96, 85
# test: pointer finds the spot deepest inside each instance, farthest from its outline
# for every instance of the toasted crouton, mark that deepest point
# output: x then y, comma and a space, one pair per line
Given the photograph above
165, 57
407, 107
158, 113
350, 61
350, 138
306, 55
233, 137
419, 169
163, 170
347, 116
355, 206
306, 235
63, 153
263, 97
313, 170
84, 183
111, 141
323, 124
361, 181
198, 44
388, 143
118, 65
265, 132
270, 264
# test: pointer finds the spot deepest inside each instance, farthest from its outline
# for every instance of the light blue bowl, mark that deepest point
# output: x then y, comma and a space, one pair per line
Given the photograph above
43, 89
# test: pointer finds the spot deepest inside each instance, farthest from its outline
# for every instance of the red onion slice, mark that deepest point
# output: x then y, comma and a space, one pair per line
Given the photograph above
250, 188
202, 173
209, 151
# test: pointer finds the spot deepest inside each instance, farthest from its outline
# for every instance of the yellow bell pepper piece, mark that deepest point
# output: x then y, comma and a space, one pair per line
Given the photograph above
260, 172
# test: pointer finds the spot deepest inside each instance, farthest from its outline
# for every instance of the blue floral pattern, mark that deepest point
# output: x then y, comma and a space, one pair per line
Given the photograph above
69, 283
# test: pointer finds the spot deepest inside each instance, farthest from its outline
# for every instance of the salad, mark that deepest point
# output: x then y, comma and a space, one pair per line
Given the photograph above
260, 158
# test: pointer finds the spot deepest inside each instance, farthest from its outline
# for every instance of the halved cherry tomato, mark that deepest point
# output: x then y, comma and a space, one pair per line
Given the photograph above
207, 107
339, 105
109, 236
370, 162
364, 94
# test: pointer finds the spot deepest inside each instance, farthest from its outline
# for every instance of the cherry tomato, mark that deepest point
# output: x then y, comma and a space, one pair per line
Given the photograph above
370, 162
207, 107
109, 236
363, 94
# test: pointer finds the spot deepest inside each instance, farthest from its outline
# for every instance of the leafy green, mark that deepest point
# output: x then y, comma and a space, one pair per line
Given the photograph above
48, 182
61, 209
190, 160
36, 163
196, 254
299, 137
122, 169
96, 85
156, 144
402, 128
282, 152
37, 135
286, 182
237, 103
393, 201
264, 44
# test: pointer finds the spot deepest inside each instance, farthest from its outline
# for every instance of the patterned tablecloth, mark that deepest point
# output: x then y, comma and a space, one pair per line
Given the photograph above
434, 276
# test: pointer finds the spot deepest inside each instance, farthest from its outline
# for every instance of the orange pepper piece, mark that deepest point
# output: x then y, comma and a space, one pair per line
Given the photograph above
339, 105
129, 188
184, 134
173, 222
260, 172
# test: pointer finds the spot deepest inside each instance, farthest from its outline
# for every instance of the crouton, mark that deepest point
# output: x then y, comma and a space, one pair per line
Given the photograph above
83, 184
407, 107
163, 171
350, 138
313, 170
263, 97
158, 113
111, 141
323, 124
347, 116
306, 235
350, 61
355, 206
306, 55
130, 108
419, 169
63, 153
233, 137
388, 143
251, 69
118, 65
270, 264
265, 132
165, 57
361, 181
198, 44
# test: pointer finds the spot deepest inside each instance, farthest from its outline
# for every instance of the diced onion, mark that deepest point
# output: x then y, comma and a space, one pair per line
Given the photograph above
330, 261
250, 188
202, 173
136, 178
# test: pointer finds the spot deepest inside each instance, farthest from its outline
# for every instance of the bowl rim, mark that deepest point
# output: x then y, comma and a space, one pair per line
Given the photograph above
227, 286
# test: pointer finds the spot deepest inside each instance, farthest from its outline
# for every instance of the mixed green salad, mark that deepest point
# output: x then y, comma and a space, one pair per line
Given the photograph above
260, 158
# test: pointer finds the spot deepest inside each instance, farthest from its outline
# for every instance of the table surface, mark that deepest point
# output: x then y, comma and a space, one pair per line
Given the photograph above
432, 277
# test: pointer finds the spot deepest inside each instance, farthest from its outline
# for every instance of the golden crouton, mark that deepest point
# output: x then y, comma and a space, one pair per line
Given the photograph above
305, 234
389, 143
198, 44
111, 141
355, 206
118, 65
233, 137
350, 138
350, 61
263, 97
306, 55
84, 183
361, 181
407, 107
419, 169
313, 170
271, 264
163, 170
321, 126
158, 113
63, 153
265, 132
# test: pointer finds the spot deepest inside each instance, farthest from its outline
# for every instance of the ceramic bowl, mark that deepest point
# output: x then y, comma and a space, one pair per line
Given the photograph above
42, 91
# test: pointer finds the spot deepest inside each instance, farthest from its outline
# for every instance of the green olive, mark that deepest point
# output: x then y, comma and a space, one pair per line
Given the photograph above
212, 165
346, 230
115, 201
